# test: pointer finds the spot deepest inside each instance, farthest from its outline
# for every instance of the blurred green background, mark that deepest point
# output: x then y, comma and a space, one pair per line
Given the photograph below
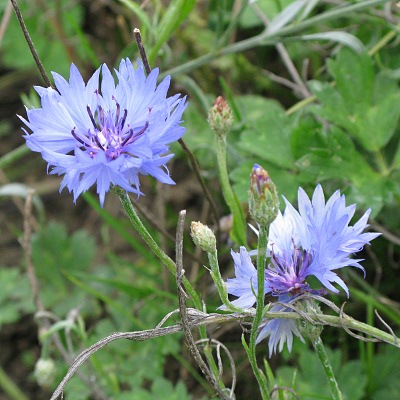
314, 88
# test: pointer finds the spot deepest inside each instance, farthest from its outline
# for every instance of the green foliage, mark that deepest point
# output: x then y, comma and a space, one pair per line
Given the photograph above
309, 382
352, 149
15, 295
362, 103
160, 389
43, 30
346, 136
386, 383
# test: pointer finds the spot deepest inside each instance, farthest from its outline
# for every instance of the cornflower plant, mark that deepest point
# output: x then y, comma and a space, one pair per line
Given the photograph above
107, 134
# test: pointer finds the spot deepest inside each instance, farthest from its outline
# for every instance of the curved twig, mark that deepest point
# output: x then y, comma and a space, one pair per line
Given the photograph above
349, 332
396, 340
219, 345
198, 318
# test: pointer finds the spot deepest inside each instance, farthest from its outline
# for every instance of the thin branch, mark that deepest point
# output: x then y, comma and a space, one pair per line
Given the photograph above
219, 345
30, 43
43, 317
385, 233
143, 55
196, 169
387, 326
300, 86
30, 270
197, 318
349, 332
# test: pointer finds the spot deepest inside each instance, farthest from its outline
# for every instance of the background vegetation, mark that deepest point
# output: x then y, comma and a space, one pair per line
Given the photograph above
314, 90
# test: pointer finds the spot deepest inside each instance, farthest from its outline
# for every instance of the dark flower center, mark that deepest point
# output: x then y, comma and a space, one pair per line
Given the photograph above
109, 133
287, 271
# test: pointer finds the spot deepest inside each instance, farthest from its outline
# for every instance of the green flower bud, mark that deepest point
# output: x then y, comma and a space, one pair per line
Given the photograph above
306, 328
263, 197
203, 236
220, 117
45, 372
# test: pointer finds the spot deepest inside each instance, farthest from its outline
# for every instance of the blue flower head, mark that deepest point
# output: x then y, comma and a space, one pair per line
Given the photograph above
105, 133
314, 241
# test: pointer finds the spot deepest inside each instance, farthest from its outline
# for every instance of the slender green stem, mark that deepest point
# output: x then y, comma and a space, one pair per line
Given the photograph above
219, 283
10, 388
251, 349
239, 221
323, 357
143, 232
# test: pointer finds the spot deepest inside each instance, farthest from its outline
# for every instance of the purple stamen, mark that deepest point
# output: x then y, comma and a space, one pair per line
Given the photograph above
89, 111
131, 137
101, 116
83, 140
96, 139
124, 118
117, 113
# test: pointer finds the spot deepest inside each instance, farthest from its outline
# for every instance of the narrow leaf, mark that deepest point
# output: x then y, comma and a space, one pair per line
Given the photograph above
286, 16
340, 37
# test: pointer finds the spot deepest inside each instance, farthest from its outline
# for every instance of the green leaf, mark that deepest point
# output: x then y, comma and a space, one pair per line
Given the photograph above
15, 295
362, 103
54, 251
286, 16
339, 159
176, 13
270, 9
354, 75
52, 51
311, 382
138, 11
386, 383
267, 133
99, 294
340, 37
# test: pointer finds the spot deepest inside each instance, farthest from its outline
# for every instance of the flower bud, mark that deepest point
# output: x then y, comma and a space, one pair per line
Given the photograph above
203, 236
45, 371
263, 197
220, 117
306, 328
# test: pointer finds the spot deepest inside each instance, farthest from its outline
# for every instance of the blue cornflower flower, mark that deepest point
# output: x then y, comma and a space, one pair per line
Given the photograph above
316, 240
106, 133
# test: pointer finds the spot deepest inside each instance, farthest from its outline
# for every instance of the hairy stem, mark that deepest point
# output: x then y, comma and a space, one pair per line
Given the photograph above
144, 233
323, 357
251, 349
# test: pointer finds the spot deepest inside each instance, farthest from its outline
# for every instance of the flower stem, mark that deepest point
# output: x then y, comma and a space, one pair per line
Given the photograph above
143, 232
239, 221
323, 357
219, 283
251, 349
